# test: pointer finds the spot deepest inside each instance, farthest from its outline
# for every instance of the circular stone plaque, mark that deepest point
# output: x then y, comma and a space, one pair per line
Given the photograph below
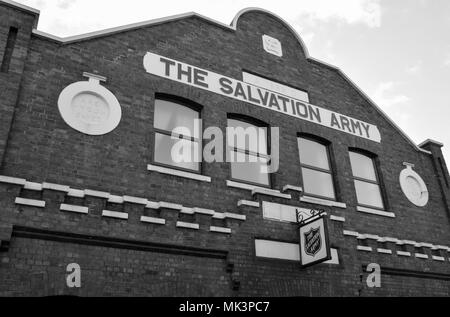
89, 107
413, 186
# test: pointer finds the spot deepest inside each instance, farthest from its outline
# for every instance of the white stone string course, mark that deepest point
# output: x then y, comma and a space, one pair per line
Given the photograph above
377, 238
78, 193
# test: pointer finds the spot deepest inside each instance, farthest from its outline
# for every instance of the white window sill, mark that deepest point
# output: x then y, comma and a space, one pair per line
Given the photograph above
270, 192
375, 212
73, 208
239, 185
421, 256
175, 172
403, 253
30, 202
438, 258
325, 202
293, 188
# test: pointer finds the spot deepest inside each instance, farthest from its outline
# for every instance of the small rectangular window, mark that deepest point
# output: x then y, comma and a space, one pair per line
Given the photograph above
316, 170
368, 192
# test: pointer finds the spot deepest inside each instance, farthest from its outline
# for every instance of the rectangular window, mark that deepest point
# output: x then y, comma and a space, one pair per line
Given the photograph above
316, 170
368, 192
247, 151
177, 139
10, 43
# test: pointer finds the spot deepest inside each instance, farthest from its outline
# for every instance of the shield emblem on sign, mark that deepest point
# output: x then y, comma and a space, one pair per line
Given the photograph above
313, 241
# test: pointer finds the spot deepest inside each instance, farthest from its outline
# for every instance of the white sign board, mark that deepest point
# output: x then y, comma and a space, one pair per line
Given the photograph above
196, 77
274, 86
272, 45
314, 244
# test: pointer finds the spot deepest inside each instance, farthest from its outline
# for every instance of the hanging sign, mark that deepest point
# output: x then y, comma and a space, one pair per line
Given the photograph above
193, 76
314, 244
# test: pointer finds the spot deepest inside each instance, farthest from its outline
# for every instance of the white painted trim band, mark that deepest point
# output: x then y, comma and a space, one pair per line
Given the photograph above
56, 187
220, 229
115, 214
336, 218
363, 248
30, 202
73, 208
13, 180
75, 193
33, 186
158, 221
135, 200
385, 251
187, 225
249, 203
351, 233
96, 193
235, 216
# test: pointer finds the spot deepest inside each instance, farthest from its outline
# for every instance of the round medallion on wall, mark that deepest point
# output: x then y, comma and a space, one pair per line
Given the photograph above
90, 108
413, 186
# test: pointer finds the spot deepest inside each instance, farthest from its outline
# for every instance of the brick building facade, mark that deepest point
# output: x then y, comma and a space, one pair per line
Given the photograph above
137, 227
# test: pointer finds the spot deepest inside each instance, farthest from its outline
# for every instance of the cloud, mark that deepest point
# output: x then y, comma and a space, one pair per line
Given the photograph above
414, 68
383, 95
367, 12
447, 61
65, 4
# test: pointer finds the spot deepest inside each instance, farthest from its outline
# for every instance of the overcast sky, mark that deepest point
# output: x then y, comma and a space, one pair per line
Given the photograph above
398, 52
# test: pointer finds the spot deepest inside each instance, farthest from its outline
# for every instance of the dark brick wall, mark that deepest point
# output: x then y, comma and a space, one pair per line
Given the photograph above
41, 147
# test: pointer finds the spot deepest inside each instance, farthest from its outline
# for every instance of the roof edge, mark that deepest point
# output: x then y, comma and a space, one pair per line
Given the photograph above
233, 26
125, 28
21, 7
431, 141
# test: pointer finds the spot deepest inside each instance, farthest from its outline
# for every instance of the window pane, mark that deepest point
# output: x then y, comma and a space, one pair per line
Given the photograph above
170, 115
184, 151
368, 194
362, 166
253, 138
313, 153
248, 168
317, 183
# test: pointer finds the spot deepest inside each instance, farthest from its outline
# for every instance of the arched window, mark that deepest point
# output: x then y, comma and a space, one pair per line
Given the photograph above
316, 168
171, 115
365, 176
248, 150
